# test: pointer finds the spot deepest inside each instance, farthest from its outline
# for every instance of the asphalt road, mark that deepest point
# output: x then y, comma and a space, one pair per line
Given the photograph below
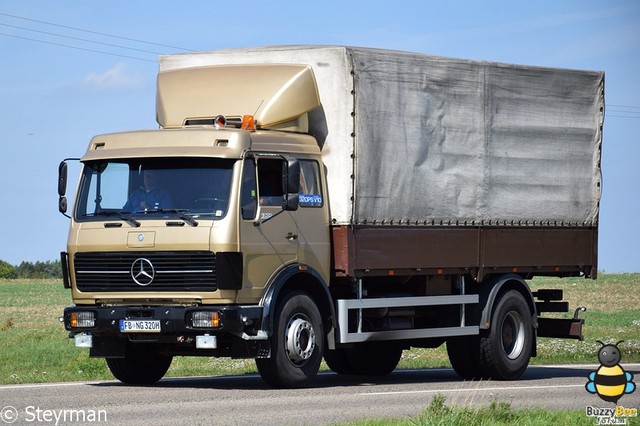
245, 400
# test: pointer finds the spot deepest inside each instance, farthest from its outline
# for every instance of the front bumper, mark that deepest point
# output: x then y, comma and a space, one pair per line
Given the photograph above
237, 332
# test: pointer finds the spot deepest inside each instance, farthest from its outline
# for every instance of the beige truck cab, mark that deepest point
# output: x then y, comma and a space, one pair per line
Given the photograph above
181, 237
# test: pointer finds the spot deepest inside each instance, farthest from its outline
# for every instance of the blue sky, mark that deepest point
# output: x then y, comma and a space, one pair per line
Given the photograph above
54, 98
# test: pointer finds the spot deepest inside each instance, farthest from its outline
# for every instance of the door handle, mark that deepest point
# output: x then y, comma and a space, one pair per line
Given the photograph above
291, 236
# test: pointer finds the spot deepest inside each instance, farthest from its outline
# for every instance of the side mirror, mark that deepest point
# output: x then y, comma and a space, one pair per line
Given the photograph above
291, 176
291, 184
62, 187
62, 204
62, 179
290, 202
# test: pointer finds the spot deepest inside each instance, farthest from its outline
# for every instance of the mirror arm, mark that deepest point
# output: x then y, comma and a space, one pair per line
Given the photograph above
260, 222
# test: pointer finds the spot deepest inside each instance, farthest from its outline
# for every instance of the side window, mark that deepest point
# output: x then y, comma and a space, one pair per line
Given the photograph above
249, 199
270, 182
310, 192
107, 188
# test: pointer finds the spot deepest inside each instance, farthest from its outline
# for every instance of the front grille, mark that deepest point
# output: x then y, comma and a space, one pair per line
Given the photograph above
154, 271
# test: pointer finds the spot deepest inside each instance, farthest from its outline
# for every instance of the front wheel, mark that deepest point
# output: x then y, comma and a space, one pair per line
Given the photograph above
139, 366
296, 344
505, 351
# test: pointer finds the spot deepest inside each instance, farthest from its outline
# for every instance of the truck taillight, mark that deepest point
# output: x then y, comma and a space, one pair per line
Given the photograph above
205, 319
82, 319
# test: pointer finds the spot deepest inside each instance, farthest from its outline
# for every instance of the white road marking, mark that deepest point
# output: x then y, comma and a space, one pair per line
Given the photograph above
45, 385
470, 390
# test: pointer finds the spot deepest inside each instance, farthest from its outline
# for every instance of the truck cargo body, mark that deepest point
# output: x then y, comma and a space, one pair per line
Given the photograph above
338, 202
414, 139
477, 251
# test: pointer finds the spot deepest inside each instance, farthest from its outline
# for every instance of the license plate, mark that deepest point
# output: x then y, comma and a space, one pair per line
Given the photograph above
140, 326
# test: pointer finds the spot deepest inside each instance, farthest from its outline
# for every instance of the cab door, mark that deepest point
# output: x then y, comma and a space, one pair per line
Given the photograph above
266, 246
312, 218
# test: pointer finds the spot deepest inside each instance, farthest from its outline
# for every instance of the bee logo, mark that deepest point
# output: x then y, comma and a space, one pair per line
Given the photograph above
610, 381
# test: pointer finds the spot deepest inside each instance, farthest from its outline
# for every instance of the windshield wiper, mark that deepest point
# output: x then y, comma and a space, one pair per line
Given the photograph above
180, 212
120, 215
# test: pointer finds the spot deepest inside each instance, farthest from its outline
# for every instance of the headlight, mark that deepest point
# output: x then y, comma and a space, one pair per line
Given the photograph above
82, 319
205, 319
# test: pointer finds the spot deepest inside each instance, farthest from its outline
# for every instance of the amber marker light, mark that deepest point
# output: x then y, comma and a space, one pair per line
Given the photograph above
215, 319
248, 123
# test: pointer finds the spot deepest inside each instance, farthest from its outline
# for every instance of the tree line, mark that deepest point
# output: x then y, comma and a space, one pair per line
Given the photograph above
48, 269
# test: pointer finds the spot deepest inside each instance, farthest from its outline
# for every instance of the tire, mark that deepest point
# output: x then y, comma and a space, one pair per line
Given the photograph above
464, 355
365, 359
505, 351
297, 344
338, 361
375, 358
139, 366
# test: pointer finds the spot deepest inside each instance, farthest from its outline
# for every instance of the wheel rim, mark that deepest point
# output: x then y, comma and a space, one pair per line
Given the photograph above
300, 340
513, 335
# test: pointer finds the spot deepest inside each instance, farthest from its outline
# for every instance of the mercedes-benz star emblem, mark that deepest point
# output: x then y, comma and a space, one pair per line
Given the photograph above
142, 271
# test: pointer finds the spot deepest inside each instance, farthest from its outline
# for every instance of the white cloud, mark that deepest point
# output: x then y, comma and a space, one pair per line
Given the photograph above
117, 78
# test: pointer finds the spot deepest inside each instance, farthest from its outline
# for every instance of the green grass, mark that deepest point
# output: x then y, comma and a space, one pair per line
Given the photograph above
35, 348
613, 314
438, 413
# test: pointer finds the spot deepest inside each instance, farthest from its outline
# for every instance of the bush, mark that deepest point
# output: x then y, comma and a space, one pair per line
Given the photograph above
7, 270
49, 269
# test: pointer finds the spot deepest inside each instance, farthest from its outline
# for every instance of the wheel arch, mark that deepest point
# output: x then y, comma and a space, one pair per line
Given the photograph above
297, 277
493, 288
498, 284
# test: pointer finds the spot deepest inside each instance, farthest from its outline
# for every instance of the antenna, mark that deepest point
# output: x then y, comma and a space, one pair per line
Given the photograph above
258, 109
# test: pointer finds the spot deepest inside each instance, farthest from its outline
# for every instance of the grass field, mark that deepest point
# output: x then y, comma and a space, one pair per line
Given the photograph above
438, 413
34, 346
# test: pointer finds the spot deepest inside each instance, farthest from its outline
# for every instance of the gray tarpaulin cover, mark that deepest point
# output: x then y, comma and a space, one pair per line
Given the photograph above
416, 139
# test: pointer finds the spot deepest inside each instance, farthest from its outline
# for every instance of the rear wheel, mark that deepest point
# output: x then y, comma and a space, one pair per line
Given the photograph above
140, 366
296, 344
338, 361
365, 359
505, 351
464, 355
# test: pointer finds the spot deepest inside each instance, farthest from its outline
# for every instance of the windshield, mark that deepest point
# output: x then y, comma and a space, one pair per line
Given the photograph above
122, 189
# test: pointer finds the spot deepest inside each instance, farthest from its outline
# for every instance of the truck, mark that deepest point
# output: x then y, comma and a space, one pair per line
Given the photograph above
338, 203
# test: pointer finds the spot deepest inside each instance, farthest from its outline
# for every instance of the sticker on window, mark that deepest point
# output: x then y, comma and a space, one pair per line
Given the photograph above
310, 200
